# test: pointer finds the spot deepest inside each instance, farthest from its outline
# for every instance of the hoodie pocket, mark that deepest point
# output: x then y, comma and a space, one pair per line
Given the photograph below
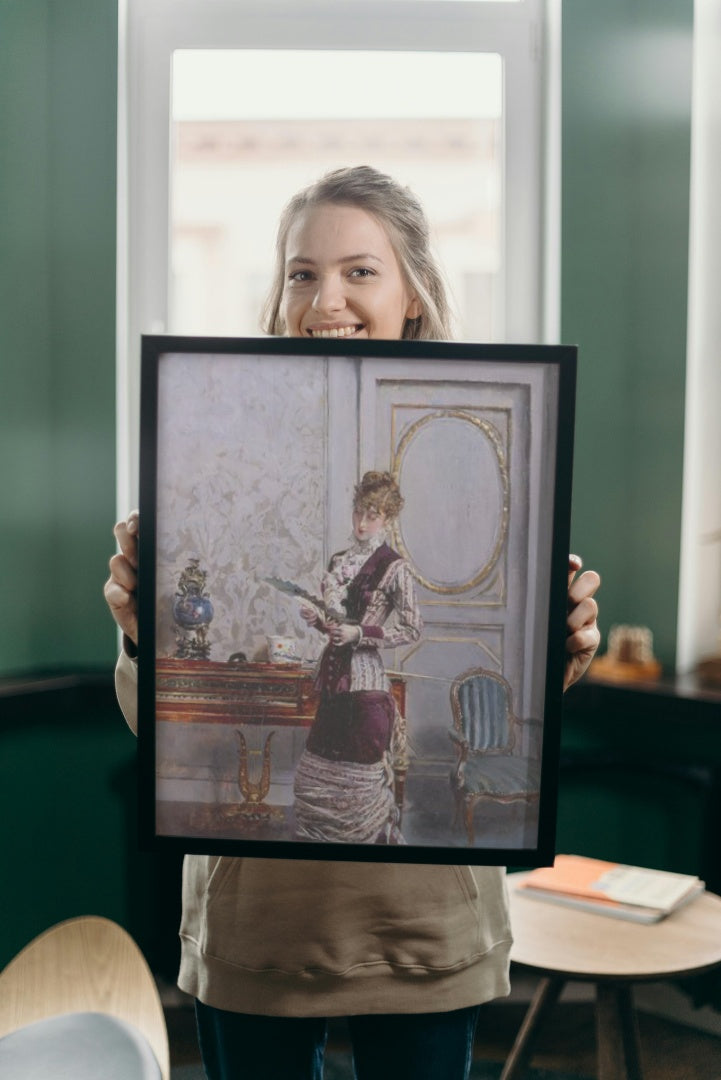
295, 916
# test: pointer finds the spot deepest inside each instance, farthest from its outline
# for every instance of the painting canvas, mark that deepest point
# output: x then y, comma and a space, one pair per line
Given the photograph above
352, 596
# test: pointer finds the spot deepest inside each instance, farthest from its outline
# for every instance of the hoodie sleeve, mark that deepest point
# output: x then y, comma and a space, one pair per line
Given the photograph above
126, 688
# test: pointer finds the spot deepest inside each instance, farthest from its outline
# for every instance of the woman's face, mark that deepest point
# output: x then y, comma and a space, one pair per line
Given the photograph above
342, 277
367, 522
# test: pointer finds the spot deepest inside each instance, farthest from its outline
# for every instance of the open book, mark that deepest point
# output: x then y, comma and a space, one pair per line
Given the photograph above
608, 888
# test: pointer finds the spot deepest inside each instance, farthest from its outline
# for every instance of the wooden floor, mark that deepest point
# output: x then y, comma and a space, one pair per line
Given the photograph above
567, 1043
669, 1051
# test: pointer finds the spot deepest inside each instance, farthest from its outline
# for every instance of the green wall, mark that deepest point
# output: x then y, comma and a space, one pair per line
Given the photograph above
626, 146
58, 73
626, 137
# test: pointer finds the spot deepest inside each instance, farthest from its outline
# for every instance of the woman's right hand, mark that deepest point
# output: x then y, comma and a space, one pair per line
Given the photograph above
311, 616
121, 587
308, 614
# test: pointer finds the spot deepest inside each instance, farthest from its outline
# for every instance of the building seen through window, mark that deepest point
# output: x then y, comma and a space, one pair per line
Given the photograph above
231, 175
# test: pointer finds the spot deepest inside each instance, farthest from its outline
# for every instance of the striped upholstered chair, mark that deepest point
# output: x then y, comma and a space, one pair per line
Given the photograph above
491, 765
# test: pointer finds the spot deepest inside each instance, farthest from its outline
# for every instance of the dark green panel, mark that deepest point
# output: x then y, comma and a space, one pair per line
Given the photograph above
65, 789
58, 75
26, 393
83, 129
632, 819
626, 145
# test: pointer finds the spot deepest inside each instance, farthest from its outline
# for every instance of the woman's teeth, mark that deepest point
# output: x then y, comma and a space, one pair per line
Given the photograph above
337, 331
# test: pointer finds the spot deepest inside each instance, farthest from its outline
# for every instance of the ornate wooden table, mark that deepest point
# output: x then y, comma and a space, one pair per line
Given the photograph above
211, 692
281, 695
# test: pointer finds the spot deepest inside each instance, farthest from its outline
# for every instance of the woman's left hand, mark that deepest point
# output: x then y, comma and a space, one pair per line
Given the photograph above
344, 634
582, 633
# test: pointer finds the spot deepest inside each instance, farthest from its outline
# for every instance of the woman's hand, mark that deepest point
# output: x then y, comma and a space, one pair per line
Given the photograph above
582, 633
309, 615
121, 587
344, 634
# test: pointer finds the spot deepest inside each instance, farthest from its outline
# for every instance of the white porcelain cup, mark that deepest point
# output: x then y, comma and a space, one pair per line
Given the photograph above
281, 650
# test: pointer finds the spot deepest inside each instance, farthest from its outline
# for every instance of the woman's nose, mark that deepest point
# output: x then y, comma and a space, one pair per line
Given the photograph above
329, 295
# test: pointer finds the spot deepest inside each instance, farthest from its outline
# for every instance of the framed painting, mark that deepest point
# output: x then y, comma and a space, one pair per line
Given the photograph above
352, 597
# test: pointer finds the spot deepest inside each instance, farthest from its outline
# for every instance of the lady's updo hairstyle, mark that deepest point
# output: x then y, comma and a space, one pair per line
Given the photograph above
378, 491
403, 217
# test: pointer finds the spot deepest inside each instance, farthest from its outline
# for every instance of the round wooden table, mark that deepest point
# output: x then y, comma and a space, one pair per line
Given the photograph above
563, 944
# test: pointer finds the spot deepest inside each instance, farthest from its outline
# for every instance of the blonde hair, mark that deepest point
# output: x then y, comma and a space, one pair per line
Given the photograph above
403, 217
378, 491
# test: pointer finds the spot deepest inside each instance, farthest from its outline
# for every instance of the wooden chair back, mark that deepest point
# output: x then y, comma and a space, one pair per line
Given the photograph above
87, 964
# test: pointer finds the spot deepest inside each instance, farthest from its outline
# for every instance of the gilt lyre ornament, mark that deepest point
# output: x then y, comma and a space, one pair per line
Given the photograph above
253, 792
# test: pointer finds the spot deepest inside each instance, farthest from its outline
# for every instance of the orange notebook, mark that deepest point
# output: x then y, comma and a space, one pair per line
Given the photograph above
631, 892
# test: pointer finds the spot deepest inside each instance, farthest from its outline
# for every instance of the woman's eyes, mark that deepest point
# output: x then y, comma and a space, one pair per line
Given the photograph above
357, 273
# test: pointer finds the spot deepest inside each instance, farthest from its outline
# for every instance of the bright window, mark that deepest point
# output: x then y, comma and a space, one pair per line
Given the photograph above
227, 107
236, 160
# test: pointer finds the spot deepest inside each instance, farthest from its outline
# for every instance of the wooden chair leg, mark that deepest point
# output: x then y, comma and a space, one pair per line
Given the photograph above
468, 807
617, 1033
545, 997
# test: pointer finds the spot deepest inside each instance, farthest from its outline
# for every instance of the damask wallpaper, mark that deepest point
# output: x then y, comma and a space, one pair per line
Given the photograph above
244, 512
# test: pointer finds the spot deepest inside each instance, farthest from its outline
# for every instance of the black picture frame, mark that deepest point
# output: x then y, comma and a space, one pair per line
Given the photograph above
250, 450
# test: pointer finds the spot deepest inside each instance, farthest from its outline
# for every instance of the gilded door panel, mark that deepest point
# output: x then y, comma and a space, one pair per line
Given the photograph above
471, 462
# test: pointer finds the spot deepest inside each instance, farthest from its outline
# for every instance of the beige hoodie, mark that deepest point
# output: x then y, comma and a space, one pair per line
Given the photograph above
284, 937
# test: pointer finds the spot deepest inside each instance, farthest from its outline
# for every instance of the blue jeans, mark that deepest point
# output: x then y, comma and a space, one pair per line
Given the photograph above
413, 1046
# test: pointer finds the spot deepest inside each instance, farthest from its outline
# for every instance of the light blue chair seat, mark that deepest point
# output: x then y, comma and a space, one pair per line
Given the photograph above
78, 1046
499, 776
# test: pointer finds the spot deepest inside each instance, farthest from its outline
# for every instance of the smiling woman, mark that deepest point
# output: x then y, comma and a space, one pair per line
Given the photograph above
332, 292
353, 259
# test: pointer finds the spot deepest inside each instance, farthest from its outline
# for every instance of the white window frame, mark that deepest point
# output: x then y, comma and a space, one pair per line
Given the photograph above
526, 34
699, 597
